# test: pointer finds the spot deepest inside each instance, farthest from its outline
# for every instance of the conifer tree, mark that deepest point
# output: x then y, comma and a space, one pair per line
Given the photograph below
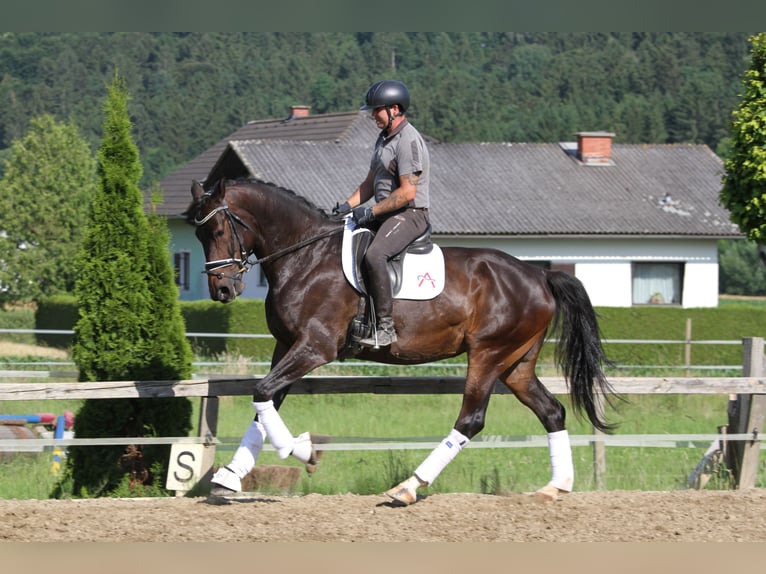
130, 325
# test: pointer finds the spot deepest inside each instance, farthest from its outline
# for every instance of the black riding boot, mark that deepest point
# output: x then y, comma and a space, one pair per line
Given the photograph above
383, 336
383, 304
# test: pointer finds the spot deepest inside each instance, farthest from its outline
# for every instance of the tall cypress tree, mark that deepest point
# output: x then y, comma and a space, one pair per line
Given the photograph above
130, 325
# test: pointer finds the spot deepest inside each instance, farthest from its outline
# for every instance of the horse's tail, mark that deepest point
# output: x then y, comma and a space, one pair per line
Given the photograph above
578, 352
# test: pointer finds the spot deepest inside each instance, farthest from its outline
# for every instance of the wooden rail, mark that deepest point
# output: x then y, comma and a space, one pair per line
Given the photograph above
316, 385
747, 405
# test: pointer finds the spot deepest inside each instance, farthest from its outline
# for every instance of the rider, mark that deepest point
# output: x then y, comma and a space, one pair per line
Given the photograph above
398, 180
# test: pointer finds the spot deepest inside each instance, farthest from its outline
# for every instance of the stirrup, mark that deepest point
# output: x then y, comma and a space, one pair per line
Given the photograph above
380, 338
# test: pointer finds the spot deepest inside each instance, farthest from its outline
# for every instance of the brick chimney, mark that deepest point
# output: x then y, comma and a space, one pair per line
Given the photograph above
299, 111
595, 148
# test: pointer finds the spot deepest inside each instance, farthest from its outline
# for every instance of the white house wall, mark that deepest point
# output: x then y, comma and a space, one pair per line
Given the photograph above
604, 265
700, 285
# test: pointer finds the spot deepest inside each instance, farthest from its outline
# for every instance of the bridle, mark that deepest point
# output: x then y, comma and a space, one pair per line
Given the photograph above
243, 262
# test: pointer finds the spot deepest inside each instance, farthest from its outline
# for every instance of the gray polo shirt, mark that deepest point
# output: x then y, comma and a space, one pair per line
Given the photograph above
401, 153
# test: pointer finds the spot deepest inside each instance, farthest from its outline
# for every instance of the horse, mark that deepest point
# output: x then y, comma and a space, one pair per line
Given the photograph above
494, 308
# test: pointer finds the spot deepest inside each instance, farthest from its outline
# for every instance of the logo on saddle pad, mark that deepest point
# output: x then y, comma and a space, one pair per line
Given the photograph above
416, 273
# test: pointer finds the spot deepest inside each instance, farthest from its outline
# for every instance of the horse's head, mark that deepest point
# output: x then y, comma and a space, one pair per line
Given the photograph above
224, 237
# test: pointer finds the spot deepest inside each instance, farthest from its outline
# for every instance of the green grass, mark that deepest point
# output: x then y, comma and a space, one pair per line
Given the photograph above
474, 470
728, 301
481, 469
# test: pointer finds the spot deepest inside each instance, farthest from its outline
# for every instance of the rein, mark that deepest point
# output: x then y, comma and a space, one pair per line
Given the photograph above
297, 246
244, 263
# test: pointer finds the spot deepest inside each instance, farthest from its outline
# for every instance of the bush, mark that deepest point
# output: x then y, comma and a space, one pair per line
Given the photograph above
58, 312
240, 316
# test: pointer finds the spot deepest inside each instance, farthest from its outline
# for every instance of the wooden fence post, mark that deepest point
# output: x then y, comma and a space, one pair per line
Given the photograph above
746, 415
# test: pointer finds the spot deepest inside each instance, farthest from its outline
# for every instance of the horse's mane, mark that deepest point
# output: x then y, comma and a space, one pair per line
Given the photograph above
301, 199
195, 204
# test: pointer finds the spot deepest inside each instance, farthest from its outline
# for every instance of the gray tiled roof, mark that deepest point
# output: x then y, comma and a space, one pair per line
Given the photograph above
504, 188
339, 128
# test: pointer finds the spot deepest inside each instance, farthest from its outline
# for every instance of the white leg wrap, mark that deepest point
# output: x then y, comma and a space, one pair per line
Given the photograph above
302, 448
562, 468
250, 447
441, 456
276, 430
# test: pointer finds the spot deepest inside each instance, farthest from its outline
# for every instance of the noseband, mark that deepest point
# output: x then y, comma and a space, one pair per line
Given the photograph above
243, 264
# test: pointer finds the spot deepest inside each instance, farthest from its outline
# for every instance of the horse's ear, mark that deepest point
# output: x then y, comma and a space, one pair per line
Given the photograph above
220, 188
196, 190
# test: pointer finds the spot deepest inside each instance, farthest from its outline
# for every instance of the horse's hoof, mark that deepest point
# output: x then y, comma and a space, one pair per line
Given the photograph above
406, 492
303, 450
219, 491
316, 455
225, 483
547, 494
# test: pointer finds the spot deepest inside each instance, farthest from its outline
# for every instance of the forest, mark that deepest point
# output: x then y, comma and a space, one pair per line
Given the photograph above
189, 90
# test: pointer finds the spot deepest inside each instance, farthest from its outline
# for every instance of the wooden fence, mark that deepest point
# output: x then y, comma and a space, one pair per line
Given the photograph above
746, 412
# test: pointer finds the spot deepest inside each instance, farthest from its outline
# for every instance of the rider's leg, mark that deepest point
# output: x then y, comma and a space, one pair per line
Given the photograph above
393, 236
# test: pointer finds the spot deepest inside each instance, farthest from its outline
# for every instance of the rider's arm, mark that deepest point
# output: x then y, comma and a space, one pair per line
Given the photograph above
400, 197
363, 192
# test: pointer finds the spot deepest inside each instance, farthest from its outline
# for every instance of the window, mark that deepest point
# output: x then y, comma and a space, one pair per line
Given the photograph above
657, 283
181, 265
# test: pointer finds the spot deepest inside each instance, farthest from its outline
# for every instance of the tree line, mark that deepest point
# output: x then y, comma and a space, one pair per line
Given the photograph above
188, 90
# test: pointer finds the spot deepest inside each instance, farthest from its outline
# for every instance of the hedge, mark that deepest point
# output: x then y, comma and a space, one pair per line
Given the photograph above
241, 316
649, 323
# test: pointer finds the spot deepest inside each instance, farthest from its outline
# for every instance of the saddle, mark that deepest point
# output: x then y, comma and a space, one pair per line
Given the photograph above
416, 273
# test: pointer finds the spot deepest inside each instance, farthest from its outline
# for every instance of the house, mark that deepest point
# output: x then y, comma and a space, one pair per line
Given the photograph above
637, 224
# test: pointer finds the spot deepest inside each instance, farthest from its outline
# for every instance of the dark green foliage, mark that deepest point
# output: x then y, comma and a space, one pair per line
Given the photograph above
248, 316
97, 471
204, 316
129, 326
49, 180
744, 184
171, 354
207, 317
741, 270
56, 313
240, 316
192, 89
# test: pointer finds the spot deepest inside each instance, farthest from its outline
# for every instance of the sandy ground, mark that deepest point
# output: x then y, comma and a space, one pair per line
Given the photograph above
614, 516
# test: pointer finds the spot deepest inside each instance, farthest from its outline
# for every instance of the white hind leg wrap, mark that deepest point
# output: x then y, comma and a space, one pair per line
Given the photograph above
562, 467
249, 448
279, 435
441, 456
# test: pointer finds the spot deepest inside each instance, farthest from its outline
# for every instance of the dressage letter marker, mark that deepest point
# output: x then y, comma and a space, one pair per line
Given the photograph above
187, 466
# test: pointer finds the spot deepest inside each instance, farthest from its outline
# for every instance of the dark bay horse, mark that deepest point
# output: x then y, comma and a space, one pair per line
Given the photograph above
495, 308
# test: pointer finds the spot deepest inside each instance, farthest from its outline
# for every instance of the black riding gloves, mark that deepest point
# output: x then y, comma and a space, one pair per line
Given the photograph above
363, 215
341, 209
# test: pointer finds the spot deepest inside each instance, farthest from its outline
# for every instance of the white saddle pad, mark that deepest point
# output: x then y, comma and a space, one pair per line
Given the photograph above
422, 274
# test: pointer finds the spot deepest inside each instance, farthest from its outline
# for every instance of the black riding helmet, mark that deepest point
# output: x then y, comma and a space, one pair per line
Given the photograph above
387, 93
